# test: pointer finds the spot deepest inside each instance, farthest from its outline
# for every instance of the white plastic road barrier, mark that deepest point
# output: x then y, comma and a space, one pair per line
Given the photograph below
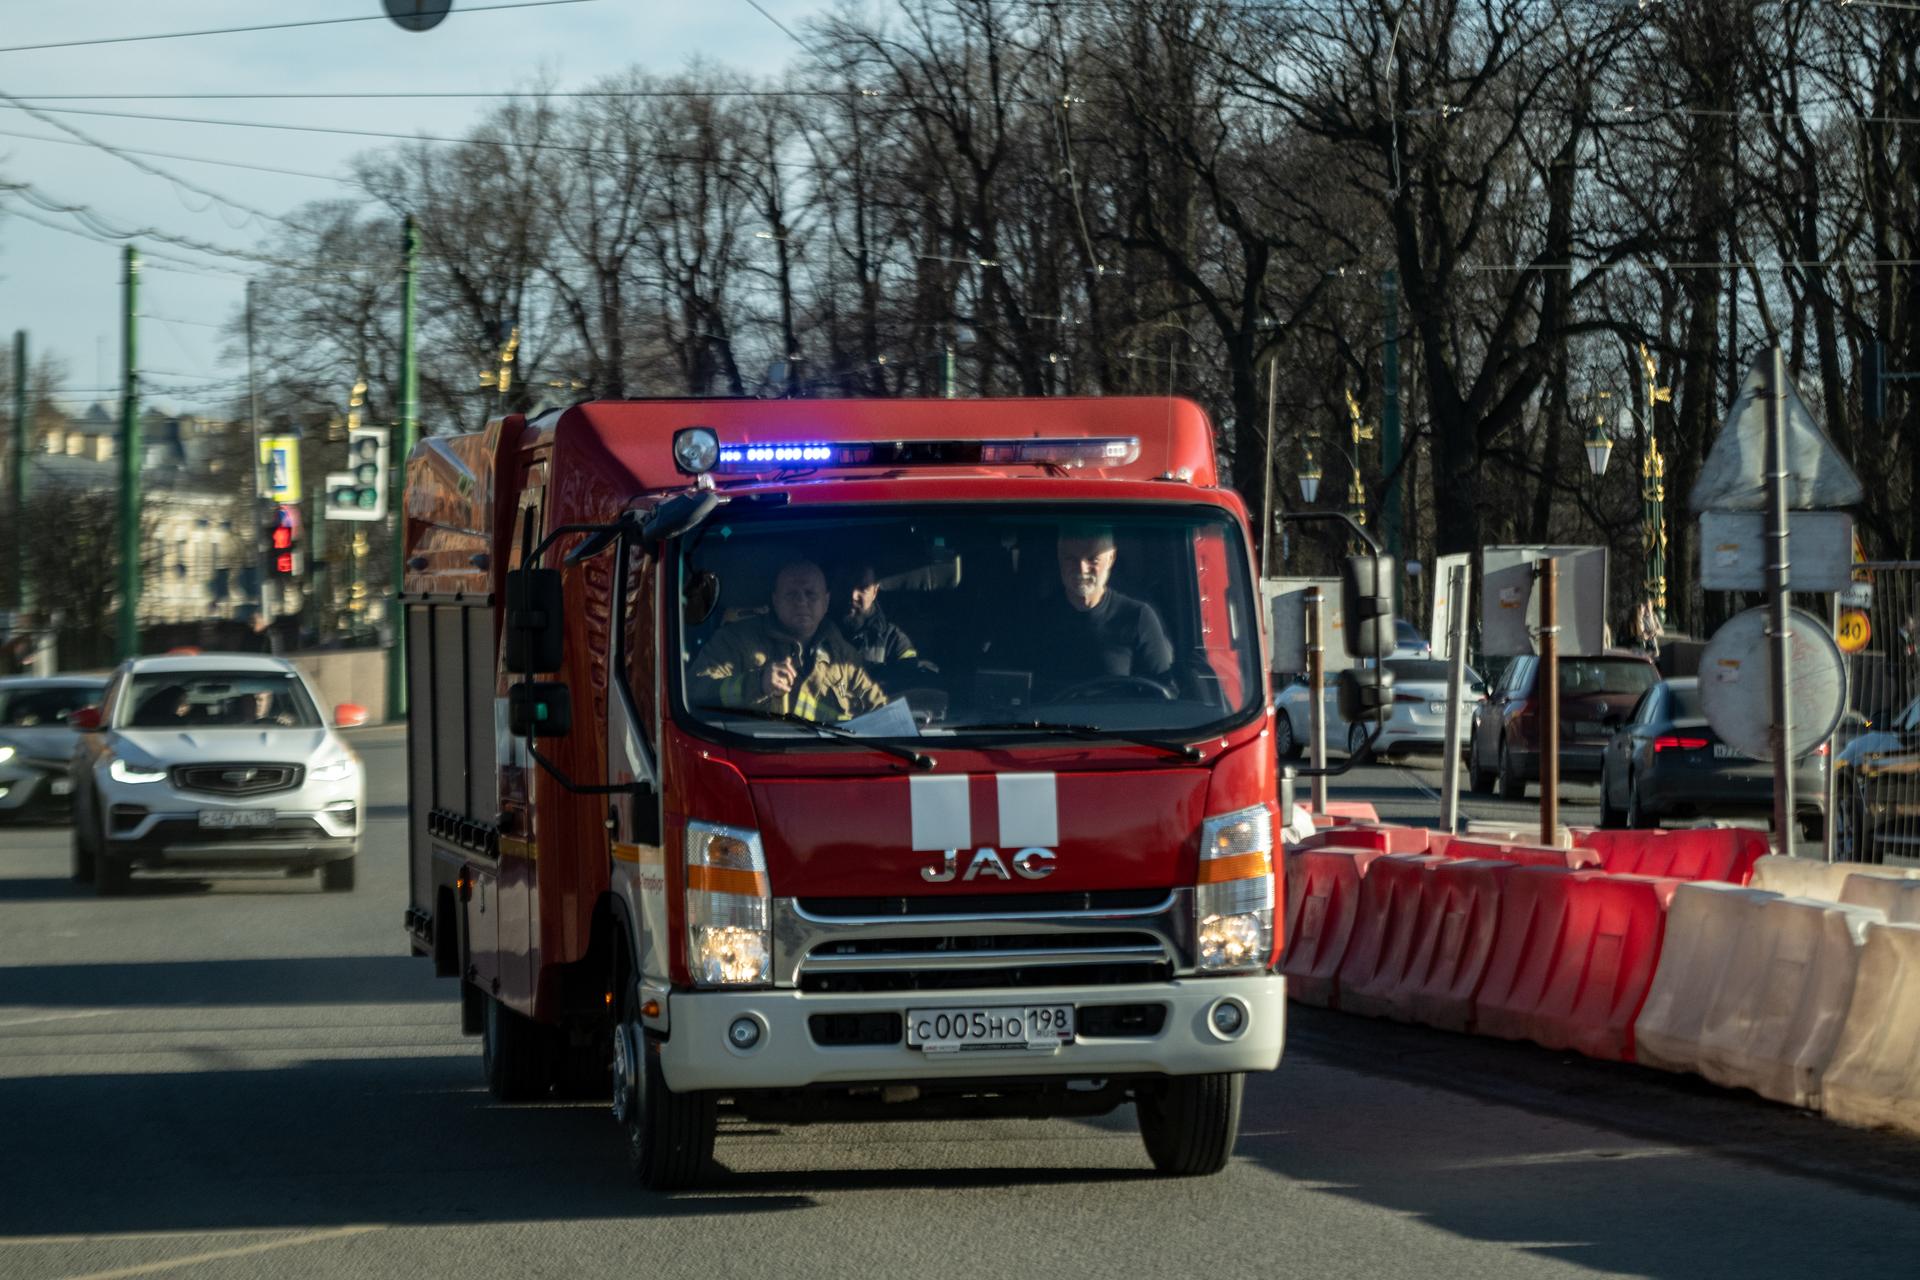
1874, 1078
1705, 923
1898, 900
1773, 1024
1810, 878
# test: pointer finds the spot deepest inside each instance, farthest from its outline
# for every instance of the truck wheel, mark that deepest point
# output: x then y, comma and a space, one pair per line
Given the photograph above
1189, 1123
513, 1052
669, 1135
337, 876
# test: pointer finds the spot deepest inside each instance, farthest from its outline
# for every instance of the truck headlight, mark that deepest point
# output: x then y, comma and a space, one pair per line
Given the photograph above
333, 771
1233, 899
121, 771
729, 907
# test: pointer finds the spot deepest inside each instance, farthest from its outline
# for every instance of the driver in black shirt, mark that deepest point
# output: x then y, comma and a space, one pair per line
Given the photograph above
1090, 631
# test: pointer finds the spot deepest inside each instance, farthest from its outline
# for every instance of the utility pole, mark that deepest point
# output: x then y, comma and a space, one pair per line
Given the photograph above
1780, 683
17, 472
256, 496
1266, 503
1390, 410
397, 478
128, 637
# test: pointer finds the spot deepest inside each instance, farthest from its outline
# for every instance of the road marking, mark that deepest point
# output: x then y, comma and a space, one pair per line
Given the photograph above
1415, 779
216, 1255
57, 1017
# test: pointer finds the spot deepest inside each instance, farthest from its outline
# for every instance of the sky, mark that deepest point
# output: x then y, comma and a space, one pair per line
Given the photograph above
65, 289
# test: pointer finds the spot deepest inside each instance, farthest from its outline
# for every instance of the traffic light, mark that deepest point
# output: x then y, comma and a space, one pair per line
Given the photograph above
360, 492
283, 543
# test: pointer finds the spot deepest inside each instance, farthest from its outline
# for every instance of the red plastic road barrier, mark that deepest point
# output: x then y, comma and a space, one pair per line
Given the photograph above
1523, 855
1384, 931
1700, 853
1460, 918
1323, 897
1379, 839
1573, 959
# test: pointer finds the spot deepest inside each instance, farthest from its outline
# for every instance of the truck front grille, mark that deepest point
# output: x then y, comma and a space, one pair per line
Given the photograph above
968, 960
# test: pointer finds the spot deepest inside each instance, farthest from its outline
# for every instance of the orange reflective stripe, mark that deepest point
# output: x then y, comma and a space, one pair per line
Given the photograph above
748, 884
1241, 866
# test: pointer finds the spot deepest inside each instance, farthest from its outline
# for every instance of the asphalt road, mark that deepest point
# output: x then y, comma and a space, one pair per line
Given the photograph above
251, 1078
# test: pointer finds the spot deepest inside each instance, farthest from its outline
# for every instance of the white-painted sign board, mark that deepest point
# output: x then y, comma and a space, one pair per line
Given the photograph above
1510, 603
1733, 551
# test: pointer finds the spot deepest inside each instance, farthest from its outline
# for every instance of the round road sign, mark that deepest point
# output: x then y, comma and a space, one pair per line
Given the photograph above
1736, 683
1854, 631
418, 15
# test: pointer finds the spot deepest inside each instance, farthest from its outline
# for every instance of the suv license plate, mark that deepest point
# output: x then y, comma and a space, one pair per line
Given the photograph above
1042, 1027
63, 786
227, 819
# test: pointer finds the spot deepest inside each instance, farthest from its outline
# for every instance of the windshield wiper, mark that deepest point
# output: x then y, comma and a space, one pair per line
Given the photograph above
1184, 751
918, 759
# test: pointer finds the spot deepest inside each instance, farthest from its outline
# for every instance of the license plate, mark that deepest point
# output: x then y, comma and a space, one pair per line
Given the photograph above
227, 819
1591, 729
1721, 751
1041, 1027
63, 786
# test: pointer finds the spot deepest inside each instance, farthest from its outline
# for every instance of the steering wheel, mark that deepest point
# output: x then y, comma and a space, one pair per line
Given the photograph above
1102, 686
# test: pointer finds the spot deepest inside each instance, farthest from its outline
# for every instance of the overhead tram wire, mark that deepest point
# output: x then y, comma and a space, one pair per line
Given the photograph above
270, 26
152, 170
169, 155
512, 143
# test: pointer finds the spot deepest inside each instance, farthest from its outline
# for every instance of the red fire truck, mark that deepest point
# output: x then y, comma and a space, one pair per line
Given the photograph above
804, 760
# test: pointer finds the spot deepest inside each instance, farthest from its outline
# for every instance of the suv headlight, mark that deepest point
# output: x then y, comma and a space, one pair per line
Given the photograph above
729, 907
333, 771
121, 771
1233, 899
6, 754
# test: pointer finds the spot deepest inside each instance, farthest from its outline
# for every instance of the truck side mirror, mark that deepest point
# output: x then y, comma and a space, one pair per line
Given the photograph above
1366, 693
539, 709
536, 620
1366, 600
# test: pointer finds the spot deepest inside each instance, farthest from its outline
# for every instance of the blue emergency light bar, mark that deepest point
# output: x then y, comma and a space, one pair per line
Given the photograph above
1072, 452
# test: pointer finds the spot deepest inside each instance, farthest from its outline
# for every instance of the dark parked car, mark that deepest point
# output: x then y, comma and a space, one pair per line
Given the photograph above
1667, 762
1596, 696
36, 741
1877, 789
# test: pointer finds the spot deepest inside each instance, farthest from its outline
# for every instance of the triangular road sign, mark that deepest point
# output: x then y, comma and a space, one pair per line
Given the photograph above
1734, 476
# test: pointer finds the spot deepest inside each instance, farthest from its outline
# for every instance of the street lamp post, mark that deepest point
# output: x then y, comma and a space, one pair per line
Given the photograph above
1653, 493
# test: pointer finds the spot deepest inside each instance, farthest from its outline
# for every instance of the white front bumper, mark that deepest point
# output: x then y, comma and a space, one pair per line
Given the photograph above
697, 1055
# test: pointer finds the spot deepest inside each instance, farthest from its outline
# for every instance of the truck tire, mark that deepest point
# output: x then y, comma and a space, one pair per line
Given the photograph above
669, 1135
513, 1052
1189, 1123
337, 876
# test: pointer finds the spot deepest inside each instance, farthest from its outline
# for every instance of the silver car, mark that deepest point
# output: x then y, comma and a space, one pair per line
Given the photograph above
214, 763
36, 742
1419, 721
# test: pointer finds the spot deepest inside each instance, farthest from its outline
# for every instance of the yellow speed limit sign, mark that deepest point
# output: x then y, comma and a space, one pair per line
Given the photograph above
1854, 630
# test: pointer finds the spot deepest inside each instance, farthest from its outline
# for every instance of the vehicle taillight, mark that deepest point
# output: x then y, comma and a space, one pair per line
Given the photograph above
1233, 896
1668, 742
1822, 749
729, 907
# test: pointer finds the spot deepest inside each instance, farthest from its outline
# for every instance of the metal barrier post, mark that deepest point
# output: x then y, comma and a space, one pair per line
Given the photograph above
1317, 702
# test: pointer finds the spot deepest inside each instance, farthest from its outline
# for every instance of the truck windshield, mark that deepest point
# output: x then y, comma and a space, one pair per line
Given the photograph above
1005, 620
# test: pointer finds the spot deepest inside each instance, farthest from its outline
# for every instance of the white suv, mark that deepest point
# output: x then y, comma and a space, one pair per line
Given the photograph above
212, 763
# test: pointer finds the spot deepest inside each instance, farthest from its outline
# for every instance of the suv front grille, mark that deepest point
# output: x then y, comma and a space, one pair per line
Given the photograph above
236, 779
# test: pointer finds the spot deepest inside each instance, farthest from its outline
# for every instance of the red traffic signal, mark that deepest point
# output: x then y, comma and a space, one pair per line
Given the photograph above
283, 539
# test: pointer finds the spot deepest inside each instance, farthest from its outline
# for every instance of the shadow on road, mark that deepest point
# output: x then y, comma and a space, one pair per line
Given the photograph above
321, 980
1683, 1180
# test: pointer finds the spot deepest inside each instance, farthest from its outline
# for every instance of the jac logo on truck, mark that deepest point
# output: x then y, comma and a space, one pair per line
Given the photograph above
1028, 864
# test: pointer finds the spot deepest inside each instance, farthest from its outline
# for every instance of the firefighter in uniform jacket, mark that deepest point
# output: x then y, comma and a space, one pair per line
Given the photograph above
792, 662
